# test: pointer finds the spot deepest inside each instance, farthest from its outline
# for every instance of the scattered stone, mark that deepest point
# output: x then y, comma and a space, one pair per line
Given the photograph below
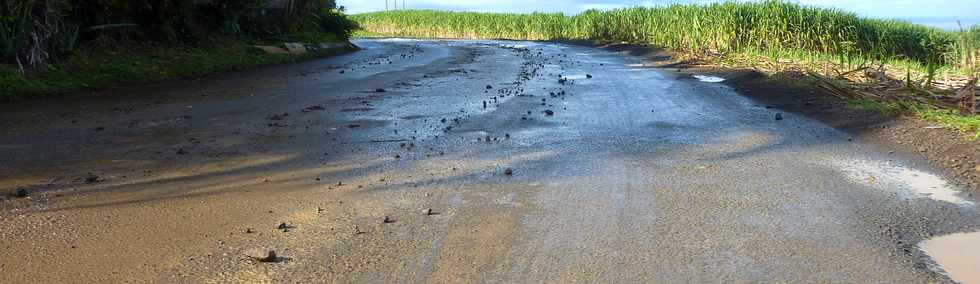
779, 116
342, 71
97, 129
489, 87
181, 151
262, 255
249, 230
284, 227
387, 220
509, 171
588, 76
427, 212
549, 112
380, 90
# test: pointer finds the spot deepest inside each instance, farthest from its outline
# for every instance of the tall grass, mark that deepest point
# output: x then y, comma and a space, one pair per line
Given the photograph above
720, 27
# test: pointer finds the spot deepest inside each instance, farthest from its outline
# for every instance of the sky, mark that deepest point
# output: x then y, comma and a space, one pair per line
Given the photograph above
940, 13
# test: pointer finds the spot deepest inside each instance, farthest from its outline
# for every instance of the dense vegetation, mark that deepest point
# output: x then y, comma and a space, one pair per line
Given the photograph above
57, 46
721, 27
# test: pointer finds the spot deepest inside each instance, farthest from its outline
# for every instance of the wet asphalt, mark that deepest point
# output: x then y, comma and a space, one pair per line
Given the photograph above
458, 161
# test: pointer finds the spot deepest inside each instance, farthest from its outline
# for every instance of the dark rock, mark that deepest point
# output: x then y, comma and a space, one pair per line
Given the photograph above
313, 108
387, 220
284, 226
92, 178
380, 90
262, 255
181, 151
278, 116
779, 116
21, 193
249, 230
509, 171
427, 212
97, 129
489, 87
549, 112
588, 76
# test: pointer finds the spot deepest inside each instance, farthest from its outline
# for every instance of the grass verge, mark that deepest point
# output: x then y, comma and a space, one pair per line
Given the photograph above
100, 68
953, 119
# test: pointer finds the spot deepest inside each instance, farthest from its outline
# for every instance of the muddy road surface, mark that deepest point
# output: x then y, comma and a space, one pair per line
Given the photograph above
453, 161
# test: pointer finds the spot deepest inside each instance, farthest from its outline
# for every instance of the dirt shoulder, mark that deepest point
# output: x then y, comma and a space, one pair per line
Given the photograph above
947, 150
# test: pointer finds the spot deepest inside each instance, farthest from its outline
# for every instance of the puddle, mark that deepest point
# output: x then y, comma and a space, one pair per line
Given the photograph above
515, 46
957, 254
396, 40
892, 176
709, 79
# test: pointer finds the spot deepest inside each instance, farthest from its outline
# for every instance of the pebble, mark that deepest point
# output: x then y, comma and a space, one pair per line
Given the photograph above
549, 112
387, 220
262, 254
509, 171
380, 90
427, 212
779, 116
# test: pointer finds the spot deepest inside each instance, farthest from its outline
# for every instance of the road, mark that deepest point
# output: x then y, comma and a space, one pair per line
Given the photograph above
457, 161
